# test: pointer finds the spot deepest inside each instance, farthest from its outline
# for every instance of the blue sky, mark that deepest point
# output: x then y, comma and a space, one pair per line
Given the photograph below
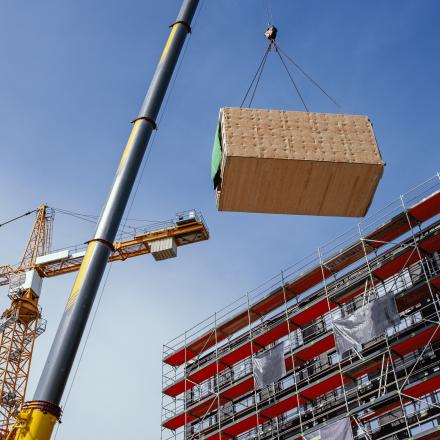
72, 77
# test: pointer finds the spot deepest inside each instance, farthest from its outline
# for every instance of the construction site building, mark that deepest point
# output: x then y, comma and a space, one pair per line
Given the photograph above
388, 389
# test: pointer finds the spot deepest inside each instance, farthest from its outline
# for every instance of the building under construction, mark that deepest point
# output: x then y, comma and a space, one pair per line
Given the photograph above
385, 388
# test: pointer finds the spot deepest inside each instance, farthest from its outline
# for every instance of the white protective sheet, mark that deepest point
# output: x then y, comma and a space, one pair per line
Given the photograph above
365, 323
269, 366
340, 430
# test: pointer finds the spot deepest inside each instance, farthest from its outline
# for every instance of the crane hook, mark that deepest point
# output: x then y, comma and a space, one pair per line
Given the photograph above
271, 33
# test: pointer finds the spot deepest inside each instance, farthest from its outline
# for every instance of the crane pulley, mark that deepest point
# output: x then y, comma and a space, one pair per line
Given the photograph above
271, 33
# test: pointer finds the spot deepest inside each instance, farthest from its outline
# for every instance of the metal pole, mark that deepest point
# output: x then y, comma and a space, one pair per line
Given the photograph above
68, 337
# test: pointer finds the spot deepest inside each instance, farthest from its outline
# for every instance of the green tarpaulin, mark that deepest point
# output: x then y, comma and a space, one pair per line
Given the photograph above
216, 159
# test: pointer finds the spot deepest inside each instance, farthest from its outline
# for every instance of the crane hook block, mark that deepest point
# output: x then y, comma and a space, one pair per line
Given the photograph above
271, 32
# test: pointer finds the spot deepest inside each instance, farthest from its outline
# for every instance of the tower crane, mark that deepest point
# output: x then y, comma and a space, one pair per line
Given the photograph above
21, 323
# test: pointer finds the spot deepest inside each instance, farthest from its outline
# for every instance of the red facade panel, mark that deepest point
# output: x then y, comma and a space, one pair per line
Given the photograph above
427, 208
399, 263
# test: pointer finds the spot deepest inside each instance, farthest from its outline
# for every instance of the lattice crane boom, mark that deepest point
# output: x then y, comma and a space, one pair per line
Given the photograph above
40, 240
188, 227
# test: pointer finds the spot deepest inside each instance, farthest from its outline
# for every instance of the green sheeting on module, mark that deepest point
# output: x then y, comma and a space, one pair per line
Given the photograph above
216, 159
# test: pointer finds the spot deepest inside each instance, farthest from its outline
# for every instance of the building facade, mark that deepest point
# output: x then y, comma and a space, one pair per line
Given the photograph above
387, 386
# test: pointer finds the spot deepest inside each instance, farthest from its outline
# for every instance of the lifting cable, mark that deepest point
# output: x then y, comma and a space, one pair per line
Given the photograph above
271, 34
125, 231
269, 12
84, 217
77, 215
94, 218
17, 218
257, 77
282, 52
291, 78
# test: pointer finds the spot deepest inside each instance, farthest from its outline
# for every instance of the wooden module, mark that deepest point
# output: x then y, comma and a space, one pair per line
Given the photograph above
281, 162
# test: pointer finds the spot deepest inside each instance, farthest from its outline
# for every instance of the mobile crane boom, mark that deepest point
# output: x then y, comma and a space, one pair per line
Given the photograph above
38, 417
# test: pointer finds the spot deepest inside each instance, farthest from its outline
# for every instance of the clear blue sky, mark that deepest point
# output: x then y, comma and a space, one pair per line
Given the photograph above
73, 75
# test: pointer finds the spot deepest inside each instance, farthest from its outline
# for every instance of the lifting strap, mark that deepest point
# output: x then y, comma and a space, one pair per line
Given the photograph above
271, 35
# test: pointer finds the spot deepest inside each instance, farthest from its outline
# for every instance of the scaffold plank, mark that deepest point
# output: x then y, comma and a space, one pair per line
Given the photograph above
391, 230
311, 350
427, 208
431, 245
321, 387
436, 282
275, 334
416, 390
400, 262
243, 425
417, 340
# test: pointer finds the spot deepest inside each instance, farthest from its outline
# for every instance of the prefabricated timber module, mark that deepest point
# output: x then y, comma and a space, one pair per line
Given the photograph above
284, 162
389, 388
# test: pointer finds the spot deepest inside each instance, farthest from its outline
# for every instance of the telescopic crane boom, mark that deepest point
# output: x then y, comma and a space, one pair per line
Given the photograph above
38, 417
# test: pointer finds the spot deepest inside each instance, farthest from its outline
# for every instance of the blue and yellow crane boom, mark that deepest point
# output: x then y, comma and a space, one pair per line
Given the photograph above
38, 417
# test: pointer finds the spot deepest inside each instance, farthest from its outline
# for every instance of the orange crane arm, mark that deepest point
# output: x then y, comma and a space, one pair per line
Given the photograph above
185, 231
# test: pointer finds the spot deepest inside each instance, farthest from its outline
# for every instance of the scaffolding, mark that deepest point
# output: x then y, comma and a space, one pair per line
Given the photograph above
389, 389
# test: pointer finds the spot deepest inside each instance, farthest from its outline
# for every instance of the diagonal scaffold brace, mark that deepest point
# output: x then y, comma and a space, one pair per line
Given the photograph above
38, 417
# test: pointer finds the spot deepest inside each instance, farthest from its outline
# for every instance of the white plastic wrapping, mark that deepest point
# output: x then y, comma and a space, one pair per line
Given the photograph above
340, 430
269, 366
365, 323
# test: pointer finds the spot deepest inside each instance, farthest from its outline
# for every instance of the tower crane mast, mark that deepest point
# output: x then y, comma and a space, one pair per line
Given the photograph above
21, 322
